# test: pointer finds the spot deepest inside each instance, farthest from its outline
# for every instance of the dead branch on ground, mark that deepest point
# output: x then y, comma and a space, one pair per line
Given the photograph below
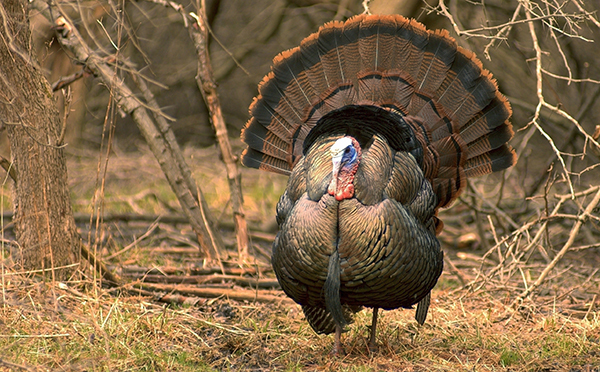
190, 270
232, 294
218, 280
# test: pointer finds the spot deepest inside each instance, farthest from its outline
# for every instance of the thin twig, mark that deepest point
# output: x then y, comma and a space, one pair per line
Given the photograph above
65, 81
572, 236
540, 94
136, 241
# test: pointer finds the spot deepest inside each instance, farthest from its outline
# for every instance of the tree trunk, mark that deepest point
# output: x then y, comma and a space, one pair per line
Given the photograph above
44, 223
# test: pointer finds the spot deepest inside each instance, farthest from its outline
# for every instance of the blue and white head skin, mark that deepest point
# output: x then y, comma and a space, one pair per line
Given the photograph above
345, 157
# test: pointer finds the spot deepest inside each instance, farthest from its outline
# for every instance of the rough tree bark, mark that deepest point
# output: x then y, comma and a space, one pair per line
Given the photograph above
44, 224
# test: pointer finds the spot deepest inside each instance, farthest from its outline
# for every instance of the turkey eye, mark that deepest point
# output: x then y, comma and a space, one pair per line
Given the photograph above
347, 150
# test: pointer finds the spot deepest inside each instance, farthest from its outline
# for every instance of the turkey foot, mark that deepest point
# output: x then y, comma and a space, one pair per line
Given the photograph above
338, 348
372, 343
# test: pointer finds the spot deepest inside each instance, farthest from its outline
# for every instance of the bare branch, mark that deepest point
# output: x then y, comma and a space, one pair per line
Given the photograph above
569, 78
208, 88
540, 94
574, 231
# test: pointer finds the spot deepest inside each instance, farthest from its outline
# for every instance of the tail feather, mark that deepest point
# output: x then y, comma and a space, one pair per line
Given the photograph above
257, 135
328, 45
266, 111
275, 100
438, 56
334, 98
368, 44
484, 122
311, 63
287, 70
350, 52
493, 161
412, 39
386, 44
369, 87
254, 159
397, 90
490, 142
467, 88
433, 115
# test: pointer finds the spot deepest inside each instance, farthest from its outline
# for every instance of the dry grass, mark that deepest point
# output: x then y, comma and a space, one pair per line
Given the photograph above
82, 326
77, 326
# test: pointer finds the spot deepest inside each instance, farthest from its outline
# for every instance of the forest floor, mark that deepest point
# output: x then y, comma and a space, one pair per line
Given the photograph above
159, 319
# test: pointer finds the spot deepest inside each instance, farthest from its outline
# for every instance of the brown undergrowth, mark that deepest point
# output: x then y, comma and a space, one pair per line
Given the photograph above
78, 326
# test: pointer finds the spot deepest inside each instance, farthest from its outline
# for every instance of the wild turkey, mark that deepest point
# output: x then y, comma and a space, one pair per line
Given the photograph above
378, 122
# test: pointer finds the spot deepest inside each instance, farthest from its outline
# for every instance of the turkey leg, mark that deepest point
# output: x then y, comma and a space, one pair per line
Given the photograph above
372, 344
338, 348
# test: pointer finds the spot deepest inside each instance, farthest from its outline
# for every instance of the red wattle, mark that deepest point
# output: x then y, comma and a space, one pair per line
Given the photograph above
345, 189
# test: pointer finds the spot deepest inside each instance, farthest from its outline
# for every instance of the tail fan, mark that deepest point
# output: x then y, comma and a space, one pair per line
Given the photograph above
440, 89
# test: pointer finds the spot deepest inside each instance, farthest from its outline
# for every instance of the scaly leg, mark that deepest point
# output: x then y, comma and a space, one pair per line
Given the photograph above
372, 343
338, 348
